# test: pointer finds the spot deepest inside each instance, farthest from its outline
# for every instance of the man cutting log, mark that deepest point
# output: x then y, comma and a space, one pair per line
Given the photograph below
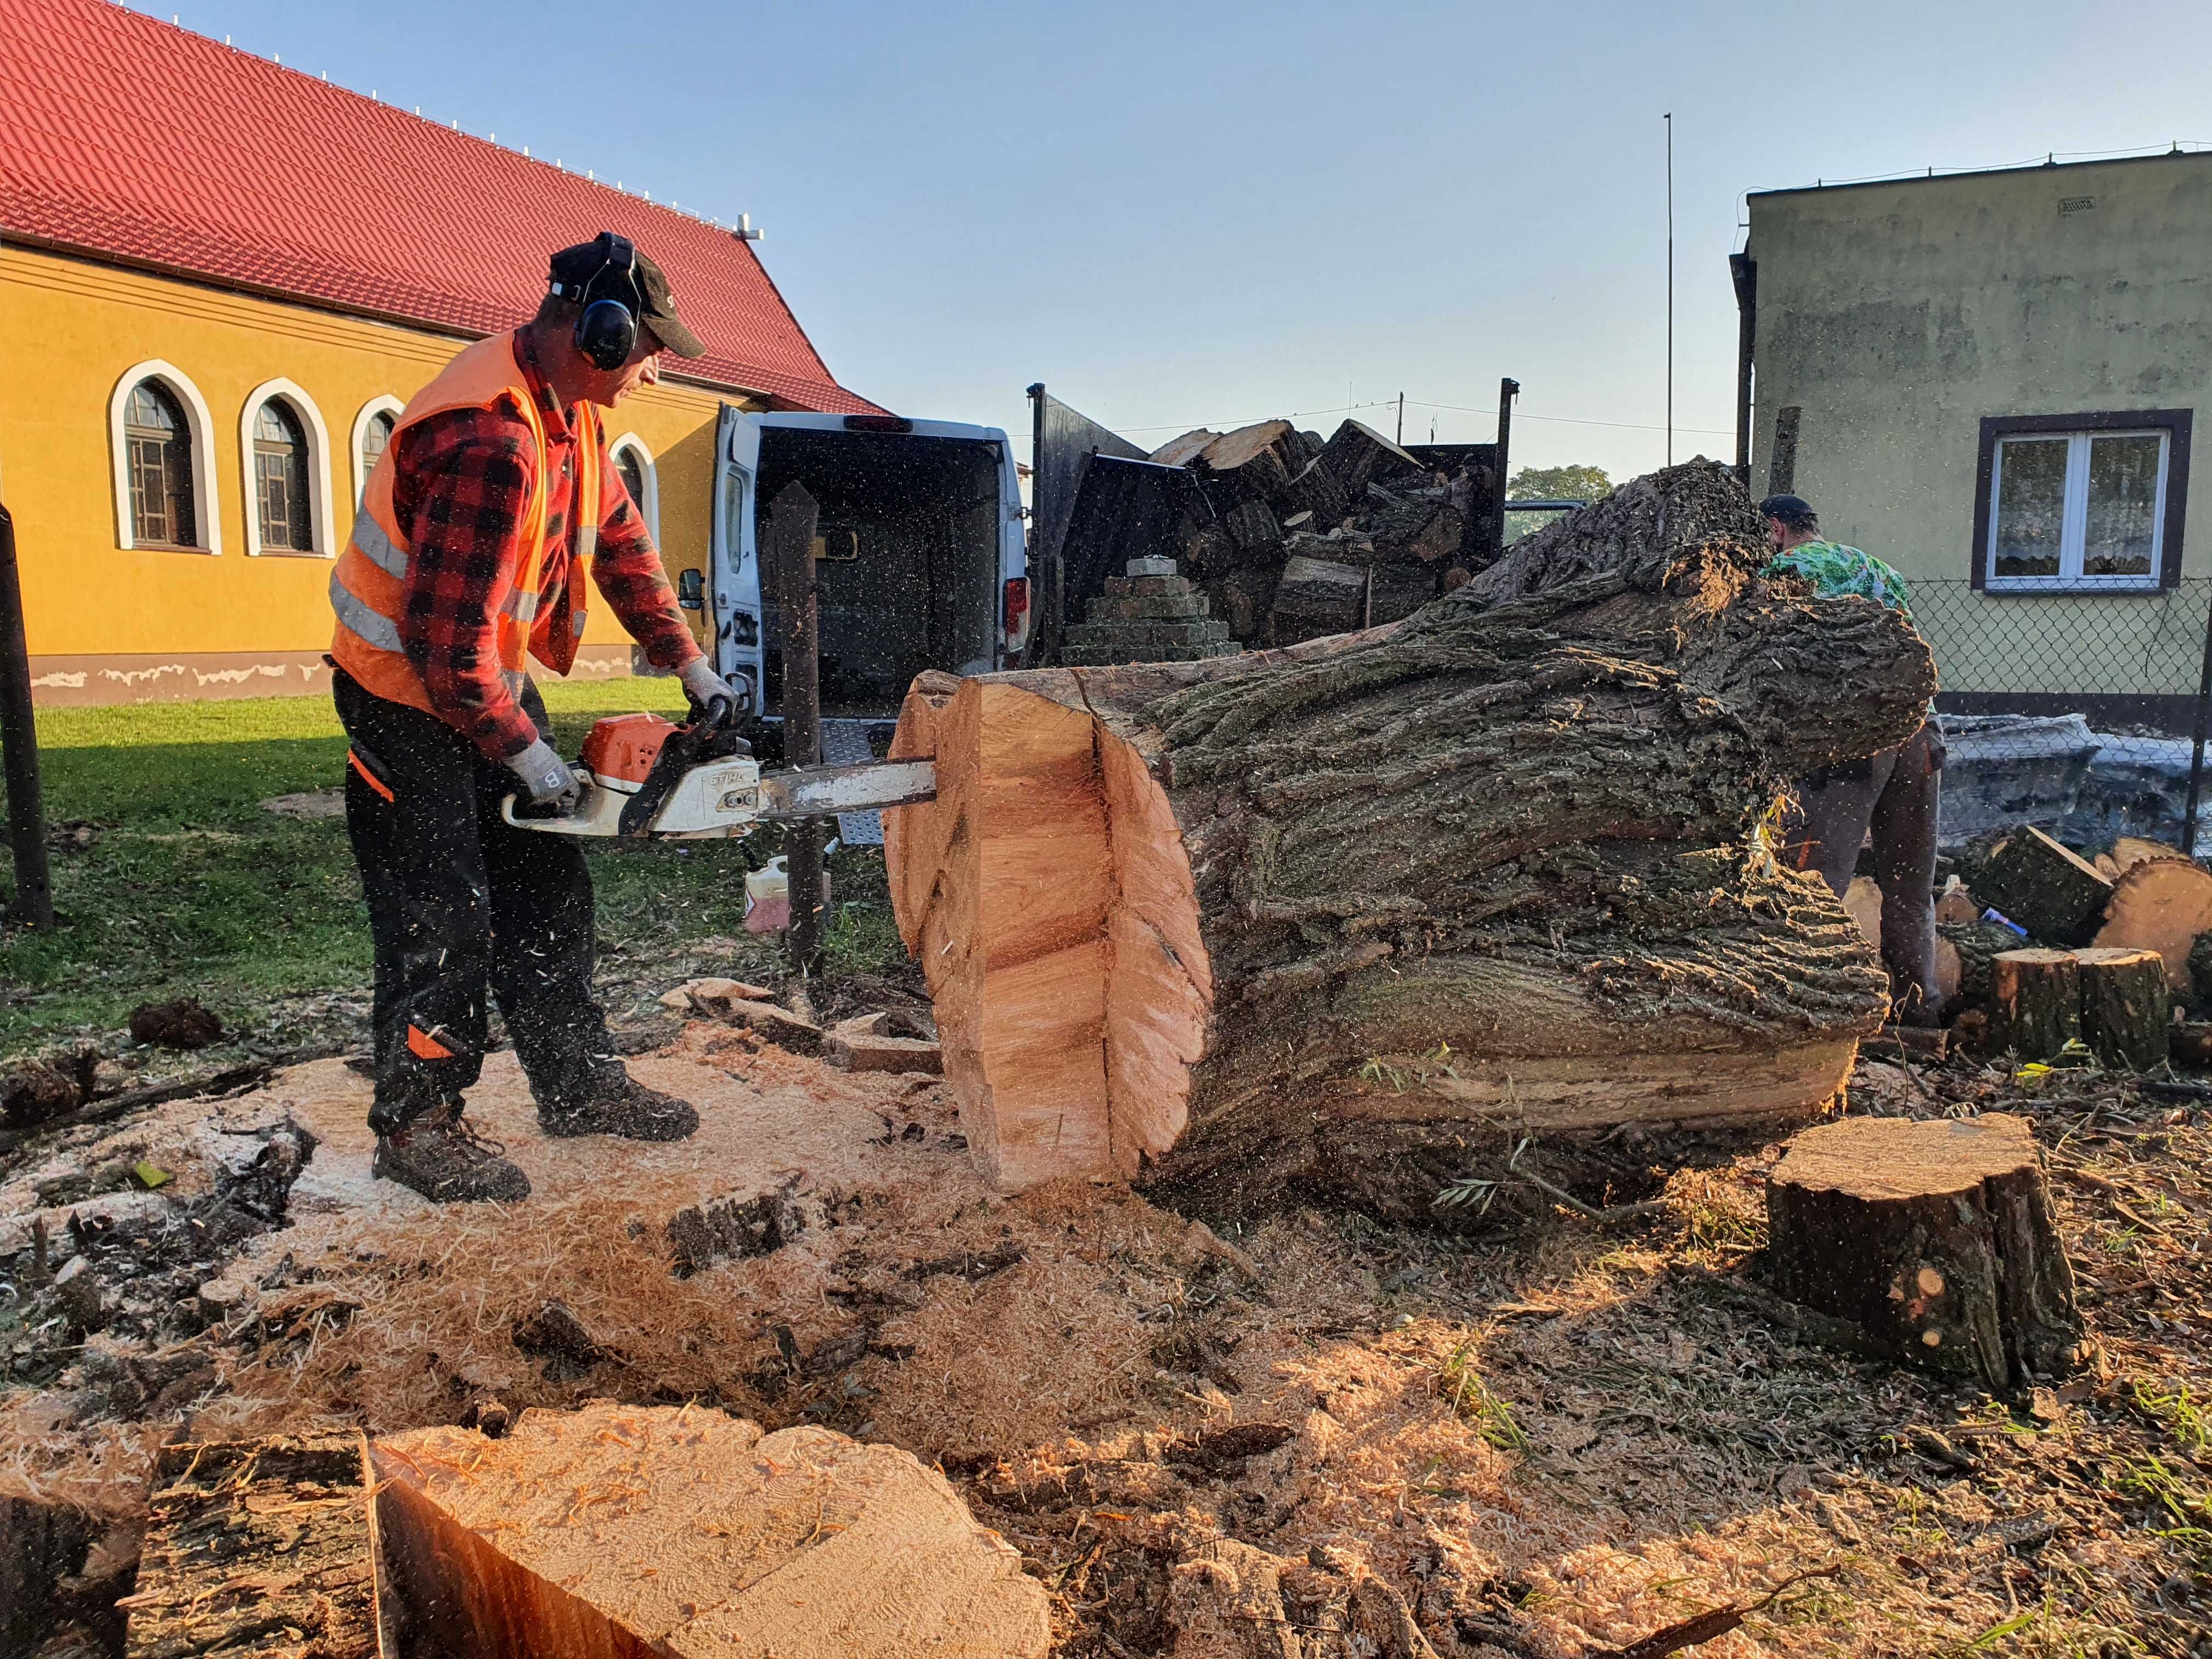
467, 555
1892, 795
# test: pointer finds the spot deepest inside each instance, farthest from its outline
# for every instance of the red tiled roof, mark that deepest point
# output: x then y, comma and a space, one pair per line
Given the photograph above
132, 139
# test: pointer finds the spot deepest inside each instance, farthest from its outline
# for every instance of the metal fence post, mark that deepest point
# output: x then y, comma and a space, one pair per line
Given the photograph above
2197, 753
19, 745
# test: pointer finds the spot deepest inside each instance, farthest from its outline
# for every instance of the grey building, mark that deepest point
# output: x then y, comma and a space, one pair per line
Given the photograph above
1991, 379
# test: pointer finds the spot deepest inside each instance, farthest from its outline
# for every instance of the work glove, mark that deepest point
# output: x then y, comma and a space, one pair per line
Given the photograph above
549, 780
704, 684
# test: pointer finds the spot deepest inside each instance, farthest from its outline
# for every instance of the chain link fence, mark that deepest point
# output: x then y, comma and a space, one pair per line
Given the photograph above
2082, 714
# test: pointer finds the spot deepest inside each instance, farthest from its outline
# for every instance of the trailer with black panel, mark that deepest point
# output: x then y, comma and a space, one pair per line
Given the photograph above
1287, 535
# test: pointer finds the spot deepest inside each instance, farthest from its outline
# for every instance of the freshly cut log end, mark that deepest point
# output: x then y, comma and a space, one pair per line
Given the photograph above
2161, 905
2127, 1012
1929, 1242
1319, 917
2035, 1001
629, 1530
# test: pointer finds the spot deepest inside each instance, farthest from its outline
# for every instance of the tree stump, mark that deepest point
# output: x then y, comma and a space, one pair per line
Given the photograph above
2055, 894
1931, 1243
2127, 1012
2035, 997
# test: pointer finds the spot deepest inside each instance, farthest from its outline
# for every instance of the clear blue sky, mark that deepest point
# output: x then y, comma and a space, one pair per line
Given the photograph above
1210, 213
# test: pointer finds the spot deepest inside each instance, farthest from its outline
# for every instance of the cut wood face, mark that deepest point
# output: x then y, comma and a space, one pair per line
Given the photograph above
1058, 931
1885, 1157
2160, 904
619, 1531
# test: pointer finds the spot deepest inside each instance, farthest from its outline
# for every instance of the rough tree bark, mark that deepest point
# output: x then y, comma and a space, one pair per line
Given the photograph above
1328, 917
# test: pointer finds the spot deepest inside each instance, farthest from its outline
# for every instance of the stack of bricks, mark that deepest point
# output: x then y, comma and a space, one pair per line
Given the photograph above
1150, 615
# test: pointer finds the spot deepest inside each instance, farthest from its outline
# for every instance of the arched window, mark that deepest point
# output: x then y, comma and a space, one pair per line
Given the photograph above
280, 480
160, 450
157, 447
632, 476
371, 434
373, 439
639, 475
286, 453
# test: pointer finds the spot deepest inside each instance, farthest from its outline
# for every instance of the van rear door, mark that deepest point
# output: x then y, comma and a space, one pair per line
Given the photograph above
736, 584
920, 561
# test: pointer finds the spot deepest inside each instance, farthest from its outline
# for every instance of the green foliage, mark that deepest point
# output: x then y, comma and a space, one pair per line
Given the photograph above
1556, 483
2178, 1411
1475, 1401
185, 884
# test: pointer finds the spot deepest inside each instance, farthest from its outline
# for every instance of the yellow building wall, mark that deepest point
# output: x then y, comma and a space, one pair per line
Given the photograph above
108, 624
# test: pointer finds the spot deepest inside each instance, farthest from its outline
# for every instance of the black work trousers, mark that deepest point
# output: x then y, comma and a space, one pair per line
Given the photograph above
461, 901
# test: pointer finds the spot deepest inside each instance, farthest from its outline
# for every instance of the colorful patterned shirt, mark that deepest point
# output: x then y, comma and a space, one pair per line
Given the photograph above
461, 480
1836, 570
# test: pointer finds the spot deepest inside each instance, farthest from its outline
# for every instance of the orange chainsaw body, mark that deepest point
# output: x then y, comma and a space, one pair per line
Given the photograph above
622, 748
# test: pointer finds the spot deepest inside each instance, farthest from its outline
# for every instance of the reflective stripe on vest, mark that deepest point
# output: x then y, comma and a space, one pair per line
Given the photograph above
380, 631
367, 586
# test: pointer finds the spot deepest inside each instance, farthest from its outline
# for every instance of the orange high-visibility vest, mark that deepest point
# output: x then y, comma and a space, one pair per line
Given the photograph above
368, 586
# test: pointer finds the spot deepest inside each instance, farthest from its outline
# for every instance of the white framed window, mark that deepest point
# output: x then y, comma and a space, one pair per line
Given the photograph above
161, 452
286, 451
372, 430
2082, 503
634, 462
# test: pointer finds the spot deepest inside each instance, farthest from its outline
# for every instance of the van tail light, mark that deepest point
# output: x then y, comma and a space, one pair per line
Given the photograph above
1017, 612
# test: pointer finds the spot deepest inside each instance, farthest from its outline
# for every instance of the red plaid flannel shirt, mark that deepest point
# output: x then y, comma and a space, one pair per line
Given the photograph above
462, 483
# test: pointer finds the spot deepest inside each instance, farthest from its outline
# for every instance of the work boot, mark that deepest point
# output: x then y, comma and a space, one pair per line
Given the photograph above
613, 1102
440, 1156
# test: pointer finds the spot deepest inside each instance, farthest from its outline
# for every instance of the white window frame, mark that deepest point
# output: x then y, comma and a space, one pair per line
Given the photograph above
369, 411
2075, 516
320, 524
207, 504
651, 505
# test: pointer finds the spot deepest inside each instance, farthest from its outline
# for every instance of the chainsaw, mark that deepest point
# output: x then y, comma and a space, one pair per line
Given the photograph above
643, 776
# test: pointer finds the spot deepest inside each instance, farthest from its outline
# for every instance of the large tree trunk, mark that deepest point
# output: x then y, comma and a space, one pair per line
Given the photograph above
1324, 916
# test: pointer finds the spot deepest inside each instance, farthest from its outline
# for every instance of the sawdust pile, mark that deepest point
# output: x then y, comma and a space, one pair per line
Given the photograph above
1544, 1442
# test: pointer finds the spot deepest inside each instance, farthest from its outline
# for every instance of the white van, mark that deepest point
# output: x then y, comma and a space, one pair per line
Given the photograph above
919, 560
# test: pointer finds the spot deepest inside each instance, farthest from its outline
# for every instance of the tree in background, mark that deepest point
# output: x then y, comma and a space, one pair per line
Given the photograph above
1558, 483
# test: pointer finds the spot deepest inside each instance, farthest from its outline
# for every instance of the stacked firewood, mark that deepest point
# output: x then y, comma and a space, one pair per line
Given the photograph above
1306, 538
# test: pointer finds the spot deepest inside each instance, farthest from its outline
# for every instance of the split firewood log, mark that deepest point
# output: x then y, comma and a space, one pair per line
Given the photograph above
2048, 889
1256, 458
1181, 452
1357, 455
1327, 916
1317, 597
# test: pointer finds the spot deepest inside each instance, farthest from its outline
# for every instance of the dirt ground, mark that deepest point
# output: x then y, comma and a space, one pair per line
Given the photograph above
1551, 1441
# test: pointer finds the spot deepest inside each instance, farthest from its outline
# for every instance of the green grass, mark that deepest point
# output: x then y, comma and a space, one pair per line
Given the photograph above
190, 885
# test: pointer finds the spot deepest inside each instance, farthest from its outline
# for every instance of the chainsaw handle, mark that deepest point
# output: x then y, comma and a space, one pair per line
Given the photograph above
717, 714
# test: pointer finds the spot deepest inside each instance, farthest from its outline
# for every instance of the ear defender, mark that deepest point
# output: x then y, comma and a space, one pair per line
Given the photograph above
606, 327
